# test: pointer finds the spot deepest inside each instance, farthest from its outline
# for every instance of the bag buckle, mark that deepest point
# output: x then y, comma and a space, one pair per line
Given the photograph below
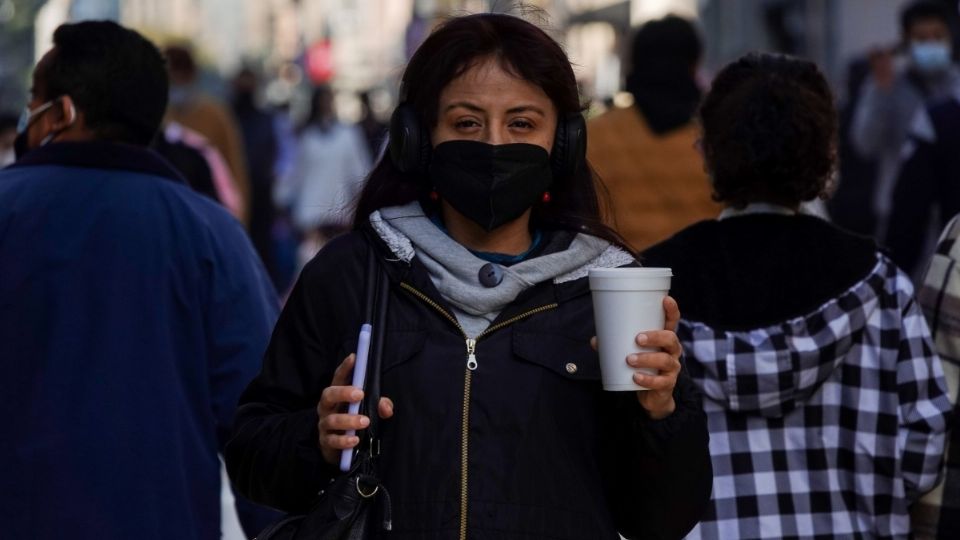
368, 494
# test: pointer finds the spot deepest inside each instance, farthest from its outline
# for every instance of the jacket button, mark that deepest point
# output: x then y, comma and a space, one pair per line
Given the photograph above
571, 368
491, 275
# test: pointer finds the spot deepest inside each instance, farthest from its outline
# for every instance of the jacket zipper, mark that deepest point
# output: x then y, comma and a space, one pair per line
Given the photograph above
472, 366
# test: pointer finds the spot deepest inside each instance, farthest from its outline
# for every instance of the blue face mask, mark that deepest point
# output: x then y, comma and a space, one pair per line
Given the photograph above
26, 118
930, 56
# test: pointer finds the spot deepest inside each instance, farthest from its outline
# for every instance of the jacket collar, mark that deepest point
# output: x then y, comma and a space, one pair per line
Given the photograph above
101, 155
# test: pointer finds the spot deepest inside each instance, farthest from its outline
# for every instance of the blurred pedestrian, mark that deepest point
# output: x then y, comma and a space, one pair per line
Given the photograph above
182, 146
937, 515
645, 154
189, 106
374, 130
826, 402
256, 126
897, 89
927, 191
328, 170
132, 309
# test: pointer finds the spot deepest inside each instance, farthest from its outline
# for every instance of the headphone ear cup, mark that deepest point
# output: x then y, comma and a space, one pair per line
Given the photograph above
569, 146
409, 143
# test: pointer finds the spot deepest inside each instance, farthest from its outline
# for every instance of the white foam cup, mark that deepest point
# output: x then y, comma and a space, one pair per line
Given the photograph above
626, 301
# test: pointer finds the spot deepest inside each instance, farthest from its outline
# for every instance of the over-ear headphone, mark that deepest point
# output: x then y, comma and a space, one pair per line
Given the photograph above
410, 143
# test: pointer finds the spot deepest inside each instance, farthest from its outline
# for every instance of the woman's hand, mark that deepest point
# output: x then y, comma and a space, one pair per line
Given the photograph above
658, 400
333, 423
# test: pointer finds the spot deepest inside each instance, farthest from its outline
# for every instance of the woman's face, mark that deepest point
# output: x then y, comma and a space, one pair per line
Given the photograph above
490, 105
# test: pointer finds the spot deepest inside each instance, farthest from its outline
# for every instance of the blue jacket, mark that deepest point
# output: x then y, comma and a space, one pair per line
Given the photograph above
133, 312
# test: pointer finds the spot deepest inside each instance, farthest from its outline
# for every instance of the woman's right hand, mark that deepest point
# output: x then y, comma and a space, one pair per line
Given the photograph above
333, 423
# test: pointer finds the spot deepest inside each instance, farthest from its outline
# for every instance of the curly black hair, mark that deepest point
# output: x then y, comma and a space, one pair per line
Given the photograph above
769, 131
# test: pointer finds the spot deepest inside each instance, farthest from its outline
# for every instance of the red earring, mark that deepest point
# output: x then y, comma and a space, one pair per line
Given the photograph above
434, 196
546, 197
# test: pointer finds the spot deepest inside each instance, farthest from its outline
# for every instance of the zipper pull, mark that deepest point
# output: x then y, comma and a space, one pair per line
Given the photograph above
472, 354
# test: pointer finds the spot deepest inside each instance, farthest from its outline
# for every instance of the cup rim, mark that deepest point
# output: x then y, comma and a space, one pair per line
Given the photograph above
631, 272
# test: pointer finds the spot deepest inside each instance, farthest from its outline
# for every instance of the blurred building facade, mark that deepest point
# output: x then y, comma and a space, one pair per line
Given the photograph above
366, 42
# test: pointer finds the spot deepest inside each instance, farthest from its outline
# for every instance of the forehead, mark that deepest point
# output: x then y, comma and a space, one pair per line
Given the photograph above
487, 81
927, 26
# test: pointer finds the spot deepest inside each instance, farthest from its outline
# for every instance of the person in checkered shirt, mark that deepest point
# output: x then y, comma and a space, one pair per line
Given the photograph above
826, 401
937, 514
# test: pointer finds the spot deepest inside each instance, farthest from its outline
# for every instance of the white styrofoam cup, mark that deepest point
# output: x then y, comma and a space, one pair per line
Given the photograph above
626, 301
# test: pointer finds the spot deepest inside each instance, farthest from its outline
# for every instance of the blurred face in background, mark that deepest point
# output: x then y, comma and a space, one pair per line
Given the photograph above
930, 46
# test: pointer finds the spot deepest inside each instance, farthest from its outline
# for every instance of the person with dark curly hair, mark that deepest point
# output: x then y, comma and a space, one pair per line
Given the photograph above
918, 72
825, 399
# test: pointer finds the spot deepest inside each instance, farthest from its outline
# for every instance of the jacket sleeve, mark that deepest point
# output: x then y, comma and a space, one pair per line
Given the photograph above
871, 120
241, 310
913, 199
658, 472
939, 298
273, 457
924, 405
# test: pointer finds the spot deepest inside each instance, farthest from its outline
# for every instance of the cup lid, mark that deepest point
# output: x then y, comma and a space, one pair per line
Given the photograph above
631, 272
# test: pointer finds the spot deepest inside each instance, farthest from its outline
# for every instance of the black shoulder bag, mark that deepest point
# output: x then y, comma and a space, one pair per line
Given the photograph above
354, 502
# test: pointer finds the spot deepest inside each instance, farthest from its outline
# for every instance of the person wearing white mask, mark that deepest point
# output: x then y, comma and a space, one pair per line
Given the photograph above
897, 88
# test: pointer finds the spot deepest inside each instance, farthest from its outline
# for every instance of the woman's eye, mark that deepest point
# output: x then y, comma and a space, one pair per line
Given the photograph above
466, 124
522, 124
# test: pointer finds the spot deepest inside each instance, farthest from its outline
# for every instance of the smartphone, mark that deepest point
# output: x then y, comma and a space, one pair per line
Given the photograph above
359, 373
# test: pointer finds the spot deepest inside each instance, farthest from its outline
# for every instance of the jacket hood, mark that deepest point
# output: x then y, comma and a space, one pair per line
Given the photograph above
769, 370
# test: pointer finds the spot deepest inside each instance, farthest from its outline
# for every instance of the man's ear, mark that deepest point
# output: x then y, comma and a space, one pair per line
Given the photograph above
66, 114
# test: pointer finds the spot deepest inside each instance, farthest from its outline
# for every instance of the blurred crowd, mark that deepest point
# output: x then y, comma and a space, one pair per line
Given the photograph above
291, 180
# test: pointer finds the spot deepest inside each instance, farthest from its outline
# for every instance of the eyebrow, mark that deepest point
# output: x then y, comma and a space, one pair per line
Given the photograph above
513, 110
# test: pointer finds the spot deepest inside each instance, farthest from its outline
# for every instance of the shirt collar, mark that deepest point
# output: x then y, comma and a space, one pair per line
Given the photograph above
756, 208
101, 155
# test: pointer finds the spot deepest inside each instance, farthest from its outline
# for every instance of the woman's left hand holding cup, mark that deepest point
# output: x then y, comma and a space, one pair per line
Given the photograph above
658, 399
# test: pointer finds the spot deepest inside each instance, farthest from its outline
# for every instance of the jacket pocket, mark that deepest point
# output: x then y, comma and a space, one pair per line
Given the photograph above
398, 347
572, 359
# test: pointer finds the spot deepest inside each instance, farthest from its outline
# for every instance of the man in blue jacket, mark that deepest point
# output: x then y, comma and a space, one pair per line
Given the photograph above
133, 311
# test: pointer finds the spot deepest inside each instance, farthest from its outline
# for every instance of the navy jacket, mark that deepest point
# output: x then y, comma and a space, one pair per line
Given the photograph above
927, 185
526, 446
133, 311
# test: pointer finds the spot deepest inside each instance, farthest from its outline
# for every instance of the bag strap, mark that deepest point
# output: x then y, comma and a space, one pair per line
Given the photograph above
377, 299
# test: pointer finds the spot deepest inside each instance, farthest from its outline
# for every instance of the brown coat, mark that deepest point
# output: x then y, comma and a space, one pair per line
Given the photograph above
656, 183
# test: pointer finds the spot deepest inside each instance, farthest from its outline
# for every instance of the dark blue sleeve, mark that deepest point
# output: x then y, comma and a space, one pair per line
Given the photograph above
240, 316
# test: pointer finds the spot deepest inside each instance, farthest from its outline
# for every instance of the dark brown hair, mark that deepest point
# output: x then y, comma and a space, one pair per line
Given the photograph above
769, 131
522, 49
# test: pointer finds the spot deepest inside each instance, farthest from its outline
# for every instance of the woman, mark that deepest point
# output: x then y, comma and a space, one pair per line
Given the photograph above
825, 399
497, 425
331, 161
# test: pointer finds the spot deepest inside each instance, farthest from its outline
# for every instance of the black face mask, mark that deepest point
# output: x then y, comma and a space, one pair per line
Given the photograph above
490, 184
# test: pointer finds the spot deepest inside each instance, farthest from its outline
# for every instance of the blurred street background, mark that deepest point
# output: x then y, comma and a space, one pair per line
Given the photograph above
361, 45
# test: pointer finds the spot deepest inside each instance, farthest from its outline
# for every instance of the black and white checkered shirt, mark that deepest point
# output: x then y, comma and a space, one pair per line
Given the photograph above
827, 425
